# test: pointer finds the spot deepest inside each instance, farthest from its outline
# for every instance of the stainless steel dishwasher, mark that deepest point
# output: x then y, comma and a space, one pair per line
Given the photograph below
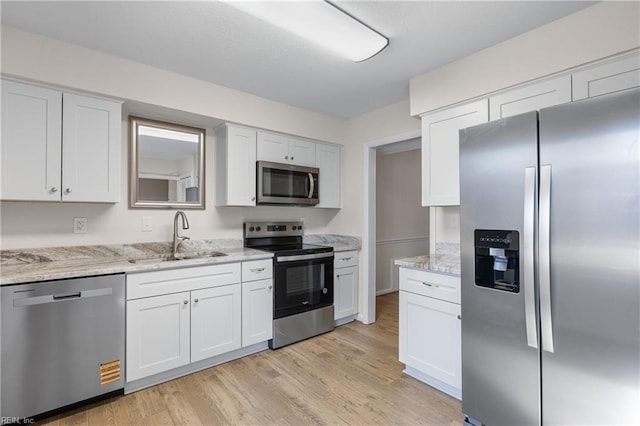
62, 343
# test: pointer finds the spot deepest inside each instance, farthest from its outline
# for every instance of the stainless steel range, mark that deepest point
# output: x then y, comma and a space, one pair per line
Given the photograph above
303, 280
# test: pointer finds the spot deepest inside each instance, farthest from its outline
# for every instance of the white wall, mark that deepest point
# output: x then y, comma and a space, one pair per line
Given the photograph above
183, 99
602, 30
379, 124
402, 224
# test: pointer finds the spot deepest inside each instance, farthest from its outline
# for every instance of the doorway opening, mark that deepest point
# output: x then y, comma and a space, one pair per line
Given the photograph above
391, 176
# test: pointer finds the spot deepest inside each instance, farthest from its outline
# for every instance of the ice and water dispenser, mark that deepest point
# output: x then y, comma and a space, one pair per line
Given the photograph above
497, 262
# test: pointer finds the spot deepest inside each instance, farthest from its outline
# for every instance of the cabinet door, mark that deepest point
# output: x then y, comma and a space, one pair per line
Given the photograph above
91, 149
215, 321
236, 167
31, 142
157, 334
273, 147
440, 153
328, 159
530, 98
257, 311
607, 78
302, 152
345, 290
430, 337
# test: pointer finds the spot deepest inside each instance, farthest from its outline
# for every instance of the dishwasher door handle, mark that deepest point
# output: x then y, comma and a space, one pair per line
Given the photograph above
53, 298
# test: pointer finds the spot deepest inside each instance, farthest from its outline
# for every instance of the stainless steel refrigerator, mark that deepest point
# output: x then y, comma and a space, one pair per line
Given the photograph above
550, 251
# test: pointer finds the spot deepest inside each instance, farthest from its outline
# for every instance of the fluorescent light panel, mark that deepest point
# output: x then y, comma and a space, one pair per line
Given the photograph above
319, 22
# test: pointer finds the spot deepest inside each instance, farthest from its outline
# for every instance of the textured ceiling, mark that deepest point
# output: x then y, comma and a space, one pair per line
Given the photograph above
214, 42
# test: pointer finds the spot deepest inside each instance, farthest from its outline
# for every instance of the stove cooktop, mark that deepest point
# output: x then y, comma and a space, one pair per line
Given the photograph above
296, 248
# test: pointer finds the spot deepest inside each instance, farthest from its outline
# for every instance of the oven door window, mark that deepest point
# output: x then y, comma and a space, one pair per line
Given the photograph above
302, 286
285, 183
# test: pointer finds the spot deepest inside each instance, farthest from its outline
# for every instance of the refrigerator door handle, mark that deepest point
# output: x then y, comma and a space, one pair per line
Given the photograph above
546, 324
528, 237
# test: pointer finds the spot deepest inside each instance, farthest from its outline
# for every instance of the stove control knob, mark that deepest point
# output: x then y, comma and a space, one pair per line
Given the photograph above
324, 290
258, 229
251, 229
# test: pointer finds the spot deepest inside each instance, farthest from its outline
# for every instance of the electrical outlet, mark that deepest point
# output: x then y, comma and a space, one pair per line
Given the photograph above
147, 225
79, 225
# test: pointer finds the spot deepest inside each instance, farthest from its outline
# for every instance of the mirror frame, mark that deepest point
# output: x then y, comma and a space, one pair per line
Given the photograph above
134, 123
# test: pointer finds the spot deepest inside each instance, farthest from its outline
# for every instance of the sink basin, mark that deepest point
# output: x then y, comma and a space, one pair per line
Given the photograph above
180, 256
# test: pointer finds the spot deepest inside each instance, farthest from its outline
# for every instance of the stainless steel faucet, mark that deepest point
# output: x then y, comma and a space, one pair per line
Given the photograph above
177, 239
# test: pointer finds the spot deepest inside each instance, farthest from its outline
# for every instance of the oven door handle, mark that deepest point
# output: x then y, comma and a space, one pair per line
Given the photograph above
304, 257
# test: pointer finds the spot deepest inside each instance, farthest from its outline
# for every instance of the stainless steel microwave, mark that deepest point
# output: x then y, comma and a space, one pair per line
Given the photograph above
279, 183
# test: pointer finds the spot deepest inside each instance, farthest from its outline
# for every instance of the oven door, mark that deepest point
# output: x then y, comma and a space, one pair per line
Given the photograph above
302, 283
286, 184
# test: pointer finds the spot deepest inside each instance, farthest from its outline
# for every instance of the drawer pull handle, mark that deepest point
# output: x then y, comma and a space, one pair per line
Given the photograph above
257, 270
346, 259
430, 285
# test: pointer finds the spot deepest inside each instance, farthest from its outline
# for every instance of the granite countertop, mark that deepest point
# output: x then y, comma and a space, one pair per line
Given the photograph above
446, 260
52, 263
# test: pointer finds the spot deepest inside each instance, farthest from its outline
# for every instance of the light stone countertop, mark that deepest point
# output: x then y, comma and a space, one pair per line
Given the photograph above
446, 260
440, 263
52, 263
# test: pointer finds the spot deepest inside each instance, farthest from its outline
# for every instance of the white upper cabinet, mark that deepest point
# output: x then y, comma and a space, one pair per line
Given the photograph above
59, 146
302, 152
31, 142
440, 135
328, 160
611, 77
235, 166
284, 149
91, 135
530, 98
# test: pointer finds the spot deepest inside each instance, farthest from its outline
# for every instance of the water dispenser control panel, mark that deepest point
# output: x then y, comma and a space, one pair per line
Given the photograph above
497, 259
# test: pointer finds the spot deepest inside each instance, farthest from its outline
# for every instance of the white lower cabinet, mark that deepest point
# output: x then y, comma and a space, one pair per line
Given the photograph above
345, 286
177, 317
430, 329
158, 331
257, 311
215, 321
257, 301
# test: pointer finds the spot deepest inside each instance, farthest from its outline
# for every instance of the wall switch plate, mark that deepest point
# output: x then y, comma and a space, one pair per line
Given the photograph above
147, 224
79, 225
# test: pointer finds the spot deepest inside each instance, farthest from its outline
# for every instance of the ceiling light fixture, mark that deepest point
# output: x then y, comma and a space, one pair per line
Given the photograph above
319, 22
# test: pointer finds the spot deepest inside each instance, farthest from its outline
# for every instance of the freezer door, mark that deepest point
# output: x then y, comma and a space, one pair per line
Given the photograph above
589, 260
500, 359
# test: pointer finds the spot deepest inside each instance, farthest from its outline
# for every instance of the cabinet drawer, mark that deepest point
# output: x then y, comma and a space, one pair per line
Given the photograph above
439, 286
257, 270
342, 259
155, 283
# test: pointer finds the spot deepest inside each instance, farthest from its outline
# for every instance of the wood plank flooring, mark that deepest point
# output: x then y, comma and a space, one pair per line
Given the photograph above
349, 376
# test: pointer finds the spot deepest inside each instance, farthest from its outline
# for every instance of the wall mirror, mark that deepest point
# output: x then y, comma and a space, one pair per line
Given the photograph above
166, 164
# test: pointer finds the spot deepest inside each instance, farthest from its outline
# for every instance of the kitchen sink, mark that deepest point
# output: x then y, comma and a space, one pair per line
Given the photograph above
179, 256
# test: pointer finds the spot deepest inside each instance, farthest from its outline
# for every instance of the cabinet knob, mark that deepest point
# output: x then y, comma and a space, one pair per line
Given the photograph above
292, 158
459, 317
337, 276
253, 198
67, 191
54, 189
270, 287
196, 300
186, 302
286, 157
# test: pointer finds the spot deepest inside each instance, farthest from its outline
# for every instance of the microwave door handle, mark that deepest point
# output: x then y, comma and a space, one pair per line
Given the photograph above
311, 185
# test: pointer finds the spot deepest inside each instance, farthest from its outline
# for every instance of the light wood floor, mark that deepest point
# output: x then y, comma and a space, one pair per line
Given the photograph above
349, 376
